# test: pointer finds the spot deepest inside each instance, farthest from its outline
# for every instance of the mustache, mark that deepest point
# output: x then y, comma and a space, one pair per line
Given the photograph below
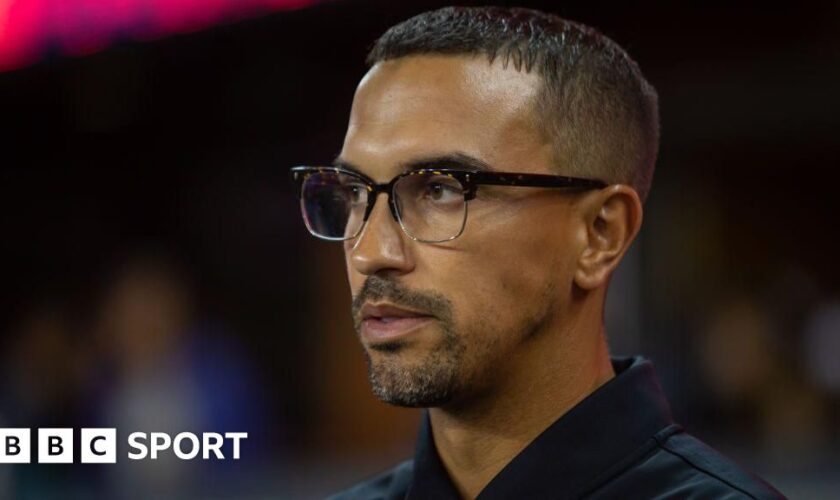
378, 287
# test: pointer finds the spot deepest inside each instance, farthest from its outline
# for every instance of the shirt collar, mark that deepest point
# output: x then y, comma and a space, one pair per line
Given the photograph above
596, 434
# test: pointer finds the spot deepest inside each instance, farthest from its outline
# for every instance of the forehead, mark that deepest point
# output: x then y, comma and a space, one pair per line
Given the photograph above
426, 106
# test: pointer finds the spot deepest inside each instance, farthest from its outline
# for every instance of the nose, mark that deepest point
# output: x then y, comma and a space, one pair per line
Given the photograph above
382, 246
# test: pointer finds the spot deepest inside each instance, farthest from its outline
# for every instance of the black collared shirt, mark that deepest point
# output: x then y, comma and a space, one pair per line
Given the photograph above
619, 442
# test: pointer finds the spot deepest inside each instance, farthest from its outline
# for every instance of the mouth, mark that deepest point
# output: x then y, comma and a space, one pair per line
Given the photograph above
387, 322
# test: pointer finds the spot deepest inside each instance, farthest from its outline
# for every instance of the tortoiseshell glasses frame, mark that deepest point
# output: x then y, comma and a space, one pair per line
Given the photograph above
430, 204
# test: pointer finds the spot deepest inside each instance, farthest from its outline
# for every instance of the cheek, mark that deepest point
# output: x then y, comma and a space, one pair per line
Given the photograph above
501, 281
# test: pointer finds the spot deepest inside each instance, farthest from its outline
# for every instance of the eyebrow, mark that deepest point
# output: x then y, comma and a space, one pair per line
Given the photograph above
457, 160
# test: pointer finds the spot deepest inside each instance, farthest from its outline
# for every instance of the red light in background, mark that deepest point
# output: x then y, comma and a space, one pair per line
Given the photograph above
75, 27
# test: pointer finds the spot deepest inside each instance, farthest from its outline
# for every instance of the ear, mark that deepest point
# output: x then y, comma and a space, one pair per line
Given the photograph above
613, 217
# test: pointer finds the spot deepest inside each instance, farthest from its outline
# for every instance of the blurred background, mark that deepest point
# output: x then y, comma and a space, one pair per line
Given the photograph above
156, 275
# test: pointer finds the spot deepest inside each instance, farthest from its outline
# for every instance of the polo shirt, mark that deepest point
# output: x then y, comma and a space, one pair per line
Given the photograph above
619, 442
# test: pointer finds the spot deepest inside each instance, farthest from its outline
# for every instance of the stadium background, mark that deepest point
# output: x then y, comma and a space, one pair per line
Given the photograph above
156, 274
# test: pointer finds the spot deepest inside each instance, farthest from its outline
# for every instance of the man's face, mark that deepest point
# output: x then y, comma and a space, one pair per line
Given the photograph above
442, 322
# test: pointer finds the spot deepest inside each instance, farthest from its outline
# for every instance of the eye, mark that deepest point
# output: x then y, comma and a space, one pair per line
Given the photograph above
357, 192
442, 192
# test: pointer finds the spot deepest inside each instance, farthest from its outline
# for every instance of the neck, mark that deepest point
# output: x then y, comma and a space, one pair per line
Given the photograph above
476, 440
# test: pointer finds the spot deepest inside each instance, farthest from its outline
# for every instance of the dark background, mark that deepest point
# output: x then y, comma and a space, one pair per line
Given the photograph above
150, 181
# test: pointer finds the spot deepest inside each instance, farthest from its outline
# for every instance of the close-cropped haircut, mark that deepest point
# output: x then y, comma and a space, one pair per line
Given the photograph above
595, 105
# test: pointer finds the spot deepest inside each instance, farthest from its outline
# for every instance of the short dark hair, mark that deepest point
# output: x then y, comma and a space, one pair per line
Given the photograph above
595, 104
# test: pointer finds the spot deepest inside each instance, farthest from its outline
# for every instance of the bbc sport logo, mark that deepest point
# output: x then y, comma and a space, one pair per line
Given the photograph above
99, 446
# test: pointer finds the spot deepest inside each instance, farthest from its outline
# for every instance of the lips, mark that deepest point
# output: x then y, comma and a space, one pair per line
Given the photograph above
387, 322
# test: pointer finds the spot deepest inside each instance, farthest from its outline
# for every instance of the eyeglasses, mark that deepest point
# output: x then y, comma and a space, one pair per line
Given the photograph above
429, 204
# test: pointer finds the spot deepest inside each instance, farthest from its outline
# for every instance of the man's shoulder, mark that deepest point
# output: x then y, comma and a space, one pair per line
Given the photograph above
391, 484
682, 465
677, 465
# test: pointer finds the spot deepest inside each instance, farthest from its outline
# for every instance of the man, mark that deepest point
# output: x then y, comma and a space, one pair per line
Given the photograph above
491, 180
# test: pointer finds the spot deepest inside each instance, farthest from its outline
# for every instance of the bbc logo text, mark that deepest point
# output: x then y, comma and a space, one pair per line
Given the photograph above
99, 445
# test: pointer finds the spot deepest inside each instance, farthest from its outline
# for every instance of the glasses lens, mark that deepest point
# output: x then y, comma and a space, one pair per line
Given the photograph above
333, 204
431, 207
